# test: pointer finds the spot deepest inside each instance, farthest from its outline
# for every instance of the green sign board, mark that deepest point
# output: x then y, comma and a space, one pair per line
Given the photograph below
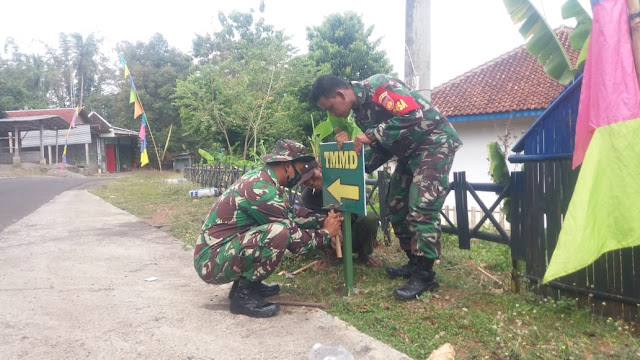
343, 177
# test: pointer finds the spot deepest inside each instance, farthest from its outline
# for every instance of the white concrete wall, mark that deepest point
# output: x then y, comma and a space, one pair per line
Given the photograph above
472, 157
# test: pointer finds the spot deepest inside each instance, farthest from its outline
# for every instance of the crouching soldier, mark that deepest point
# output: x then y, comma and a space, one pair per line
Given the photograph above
250, 227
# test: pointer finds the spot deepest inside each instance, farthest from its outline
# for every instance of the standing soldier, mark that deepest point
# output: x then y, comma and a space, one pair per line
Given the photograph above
398, 121
251, 225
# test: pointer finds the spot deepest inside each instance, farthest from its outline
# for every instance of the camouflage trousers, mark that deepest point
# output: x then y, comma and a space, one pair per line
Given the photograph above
363, 233
417, 192
253, 255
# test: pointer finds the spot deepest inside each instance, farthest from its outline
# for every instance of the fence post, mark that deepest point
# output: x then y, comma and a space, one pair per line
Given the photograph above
460, 188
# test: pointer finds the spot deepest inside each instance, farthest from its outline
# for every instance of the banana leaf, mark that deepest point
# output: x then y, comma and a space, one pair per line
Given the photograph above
210, 159
345, 124
579, 37
541, 42
499, 173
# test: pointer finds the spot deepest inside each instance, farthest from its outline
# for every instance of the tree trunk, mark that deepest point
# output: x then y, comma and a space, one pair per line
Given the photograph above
634, 8
246, 137
257, 124
81, 88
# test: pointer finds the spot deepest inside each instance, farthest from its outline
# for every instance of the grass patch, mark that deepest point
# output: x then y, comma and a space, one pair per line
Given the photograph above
474, 312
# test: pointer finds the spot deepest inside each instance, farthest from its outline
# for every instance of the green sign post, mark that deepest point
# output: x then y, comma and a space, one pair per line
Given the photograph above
343, 186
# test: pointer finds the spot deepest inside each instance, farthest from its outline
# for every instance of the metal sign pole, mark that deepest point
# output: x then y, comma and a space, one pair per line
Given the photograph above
347, 254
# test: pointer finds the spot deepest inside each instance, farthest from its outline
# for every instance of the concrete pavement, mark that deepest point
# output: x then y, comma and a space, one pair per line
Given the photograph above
72, 285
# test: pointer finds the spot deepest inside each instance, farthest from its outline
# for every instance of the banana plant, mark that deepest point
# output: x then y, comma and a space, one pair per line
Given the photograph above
579, 37
328, 126
499, 173
543, 44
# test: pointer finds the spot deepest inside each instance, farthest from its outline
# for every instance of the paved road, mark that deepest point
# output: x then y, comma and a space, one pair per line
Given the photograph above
74, 284
22, 196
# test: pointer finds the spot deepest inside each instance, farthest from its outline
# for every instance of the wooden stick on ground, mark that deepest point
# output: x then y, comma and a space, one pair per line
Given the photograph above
304, 268
489, 275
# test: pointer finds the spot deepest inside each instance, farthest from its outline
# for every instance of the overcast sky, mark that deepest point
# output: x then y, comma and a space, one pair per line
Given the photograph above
465, 33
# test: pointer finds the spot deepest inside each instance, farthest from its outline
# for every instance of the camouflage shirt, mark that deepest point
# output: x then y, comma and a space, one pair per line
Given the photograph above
400, 119
253, 200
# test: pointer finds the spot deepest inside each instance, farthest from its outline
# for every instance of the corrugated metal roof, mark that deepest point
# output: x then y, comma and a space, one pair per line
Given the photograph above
80, 135
65, 113
33, 123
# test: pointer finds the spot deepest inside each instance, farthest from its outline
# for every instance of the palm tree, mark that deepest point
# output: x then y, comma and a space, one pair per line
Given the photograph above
85, 52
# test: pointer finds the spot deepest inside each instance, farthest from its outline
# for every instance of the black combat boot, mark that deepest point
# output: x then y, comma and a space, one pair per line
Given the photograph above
400, 271
265, 290
422, 279
247, 301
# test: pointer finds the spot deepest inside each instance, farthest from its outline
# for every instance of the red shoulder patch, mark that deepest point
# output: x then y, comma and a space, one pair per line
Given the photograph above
395, 103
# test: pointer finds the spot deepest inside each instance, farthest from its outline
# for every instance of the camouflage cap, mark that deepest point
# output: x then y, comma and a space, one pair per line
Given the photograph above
287, 150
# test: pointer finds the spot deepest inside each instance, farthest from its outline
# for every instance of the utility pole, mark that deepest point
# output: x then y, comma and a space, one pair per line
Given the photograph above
417, 37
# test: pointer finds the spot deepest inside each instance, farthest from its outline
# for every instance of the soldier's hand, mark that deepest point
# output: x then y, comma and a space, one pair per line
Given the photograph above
333, 223
341, 137
358, 141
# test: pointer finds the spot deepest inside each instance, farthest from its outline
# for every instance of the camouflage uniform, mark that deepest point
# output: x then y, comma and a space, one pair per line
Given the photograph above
248, 230
401, 122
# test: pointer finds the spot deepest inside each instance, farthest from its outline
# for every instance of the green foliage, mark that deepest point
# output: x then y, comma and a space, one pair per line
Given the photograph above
221, 158
345, 124
499, 173
343, 42
246, 88
579, 37
24, 79
542, 42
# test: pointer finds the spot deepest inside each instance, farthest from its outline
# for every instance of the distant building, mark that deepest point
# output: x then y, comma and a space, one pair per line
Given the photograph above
94, 144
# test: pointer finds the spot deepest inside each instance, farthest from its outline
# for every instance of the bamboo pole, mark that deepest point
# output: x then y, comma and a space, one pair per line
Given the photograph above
634, 8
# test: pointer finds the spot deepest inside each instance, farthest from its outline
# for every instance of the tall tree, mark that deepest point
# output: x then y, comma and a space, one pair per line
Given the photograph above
237, 93
343, 42
85, 65
78, 69
25, 78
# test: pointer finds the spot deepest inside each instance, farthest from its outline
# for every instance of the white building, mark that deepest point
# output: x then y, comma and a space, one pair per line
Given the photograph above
497, 101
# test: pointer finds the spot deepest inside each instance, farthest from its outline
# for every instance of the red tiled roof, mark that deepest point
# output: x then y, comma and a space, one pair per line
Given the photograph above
66, 114
512, 82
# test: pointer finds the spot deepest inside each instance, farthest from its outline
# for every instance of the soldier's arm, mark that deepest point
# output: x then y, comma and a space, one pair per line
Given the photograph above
268, 207
404, 104
307, 219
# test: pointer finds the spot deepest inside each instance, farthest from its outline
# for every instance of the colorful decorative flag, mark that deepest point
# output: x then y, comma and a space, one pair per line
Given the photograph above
75, 116
138, 110
142, 134
66, 138
602, 215
609, 87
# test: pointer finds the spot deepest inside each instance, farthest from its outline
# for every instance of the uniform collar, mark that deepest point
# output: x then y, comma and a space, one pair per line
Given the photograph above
360, 91
272, 175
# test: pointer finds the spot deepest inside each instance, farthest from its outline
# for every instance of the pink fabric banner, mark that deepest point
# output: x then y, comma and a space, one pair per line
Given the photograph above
143, 133
75, 116
609, 87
